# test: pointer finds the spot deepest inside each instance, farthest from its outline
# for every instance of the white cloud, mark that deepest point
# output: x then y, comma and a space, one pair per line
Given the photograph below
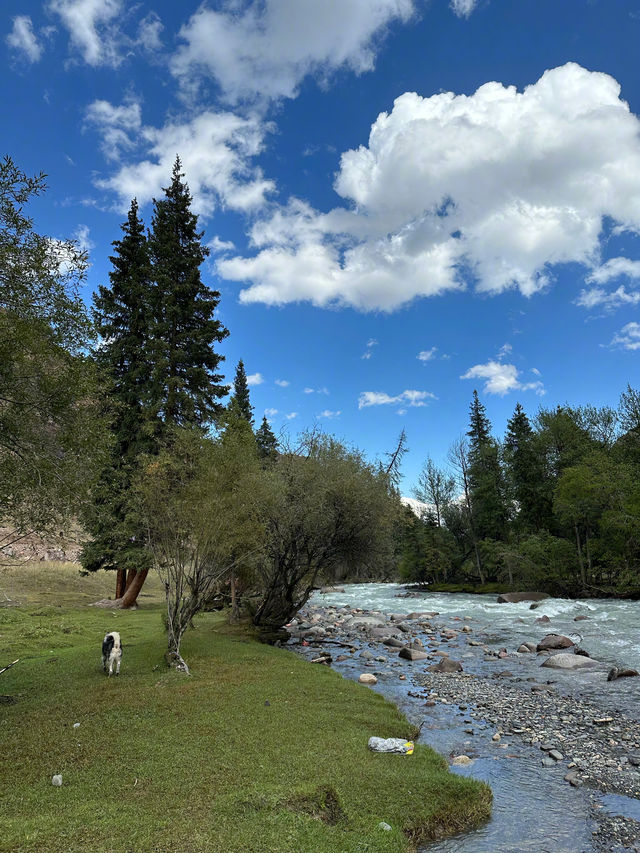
371, 343
381, 398
535, 371
309, 390
628, 337
498, 186
22, 38
270, 412
291, 416
219, 246
283, 383
614, 268
149, 31
93, 28
118, 126
501, 378
505, 349
596, 297
254, 379
215, 149
427, 354
329, 415
266, 49
463, 8
81, 236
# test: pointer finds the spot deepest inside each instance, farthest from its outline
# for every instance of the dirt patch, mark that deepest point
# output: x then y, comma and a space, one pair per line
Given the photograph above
323, 804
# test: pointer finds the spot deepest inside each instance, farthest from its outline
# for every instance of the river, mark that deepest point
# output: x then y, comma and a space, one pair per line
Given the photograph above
535, 809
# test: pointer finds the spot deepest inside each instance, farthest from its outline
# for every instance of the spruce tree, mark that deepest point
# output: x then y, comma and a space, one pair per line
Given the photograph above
525, 474
266, 441
185, 386
485, 476
122, 316
240, 403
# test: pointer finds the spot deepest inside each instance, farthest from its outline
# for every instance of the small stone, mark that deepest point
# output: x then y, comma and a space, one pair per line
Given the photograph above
496, 737
57, 780
548, 762
76, 725
368, 678
384, 826
557, 756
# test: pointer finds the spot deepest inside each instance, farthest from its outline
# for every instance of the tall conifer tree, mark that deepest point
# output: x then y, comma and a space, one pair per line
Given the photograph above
240, 403
186, 386
266, 440
122, 316
485, 476
526, 474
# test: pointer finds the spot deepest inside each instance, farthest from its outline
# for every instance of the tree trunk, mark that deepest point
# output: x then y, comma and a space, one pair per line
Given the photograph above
121, 576
133, 588
130, 576
235, 610
583, 579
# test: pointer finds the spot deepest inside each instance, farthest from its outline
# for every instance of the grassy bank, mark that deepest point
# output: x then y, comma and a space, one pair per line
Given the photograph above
257, 751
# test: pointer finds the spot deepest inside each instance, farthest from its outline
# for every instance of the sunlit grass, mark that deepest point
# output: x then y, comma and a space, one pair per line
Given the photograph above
257, 751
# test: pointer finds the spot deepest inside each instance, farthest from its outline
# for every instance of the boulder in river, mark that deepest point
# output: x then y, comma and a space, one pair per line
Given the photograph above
517, 597
526, 648
446, 665
615, 673
365, 621
568, 661
554, 641
412, 654
393, 642
368, 678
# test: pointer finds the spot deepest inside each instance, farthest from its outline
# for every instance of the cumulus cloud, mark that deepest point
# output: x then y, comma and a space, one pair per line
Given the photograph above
118, 126
291, 416
381, 398
254, 379
81, 237
283, 383
219, 246
270, 412
215, 148
93, 27
463, 8
496, 187
501, 378
23, 39
266, 49
597, 297
149, 30
327, 414
427, 354
614, 268
628, 337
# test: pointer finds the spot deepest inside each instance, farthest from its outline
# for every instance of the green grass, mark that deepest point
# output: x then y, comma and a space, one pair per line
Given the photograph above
257, 751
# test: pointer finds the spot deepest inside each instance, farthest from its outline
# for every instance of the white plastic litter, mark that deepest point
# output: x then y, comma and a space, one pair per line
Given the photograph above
76, 725
57, 780
391, 744
384, 825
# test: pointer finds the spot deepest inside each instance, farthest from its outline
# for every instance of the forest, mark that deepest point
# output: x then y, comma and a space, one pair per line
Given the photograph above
553, 506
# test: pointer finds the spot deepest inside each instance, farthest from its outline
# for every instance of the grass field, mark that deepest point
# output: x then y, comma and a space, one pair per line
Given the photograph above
256, 751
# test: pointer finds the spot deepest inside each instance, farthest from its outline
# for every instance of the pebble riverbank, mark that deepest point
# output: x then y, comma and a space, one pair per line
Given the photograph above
501, 703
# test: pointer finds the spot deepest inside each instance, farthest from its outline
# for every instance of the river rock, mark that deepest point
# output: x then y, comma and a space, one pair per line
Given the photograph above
446, 665
615, 673
393, 643
407, 653
554, 641
365, 621
368, 678
527, 648
461, 760
367, 655
580, 618
517, 597
543, 619
569, 661
326, 589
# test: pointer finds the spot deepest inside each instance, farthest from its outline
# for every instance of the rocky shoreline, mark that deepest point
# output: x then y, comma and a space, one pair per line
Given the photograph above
457, 669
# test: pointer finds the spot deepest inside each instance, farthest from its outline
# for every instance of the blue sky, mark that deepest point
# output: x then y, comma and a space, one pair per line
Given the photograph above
405, 200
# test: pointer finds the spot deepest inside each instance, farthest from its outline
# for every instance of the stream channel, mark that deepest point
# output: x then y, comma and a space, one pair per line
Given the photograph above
535, 808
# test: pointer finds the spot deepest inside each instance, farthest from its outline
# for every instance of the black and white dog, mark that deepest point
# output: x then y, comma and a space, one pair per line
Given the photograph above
112, 652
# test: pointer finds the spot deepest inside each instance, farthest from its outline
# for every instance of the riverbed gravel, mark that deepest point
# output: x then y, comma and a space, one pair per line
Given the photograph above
585, 740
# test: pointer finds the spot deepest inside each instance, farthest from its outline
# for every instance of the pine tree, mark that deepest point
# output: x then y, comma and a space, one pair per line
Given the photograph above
266, 441
525, 474
122, 316
240, 403
485, 476
185, 386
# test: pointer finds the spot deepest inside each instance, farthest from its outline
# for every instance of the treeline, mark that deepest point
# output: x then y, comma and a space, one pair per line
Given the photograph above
554, 506
116, 418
